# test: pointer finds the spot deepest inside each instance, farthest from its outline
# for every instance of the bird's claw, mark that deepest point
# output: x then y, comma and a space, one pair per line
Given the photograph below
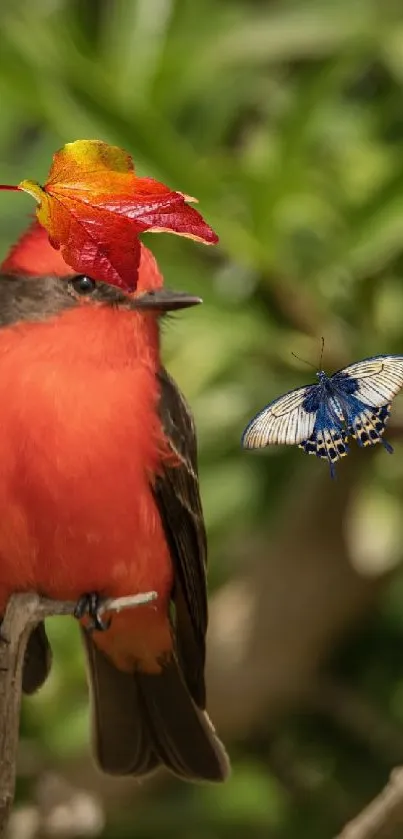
89, 605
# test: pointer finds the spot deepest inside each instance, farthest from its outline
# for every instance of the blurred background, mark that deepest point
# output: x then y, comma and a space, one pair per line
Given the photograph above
285, 119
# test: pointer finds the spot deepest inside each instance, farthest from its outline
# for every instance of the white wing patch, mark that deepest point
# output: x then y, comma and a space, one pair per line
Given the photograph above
379, 379
336, 407
283, 421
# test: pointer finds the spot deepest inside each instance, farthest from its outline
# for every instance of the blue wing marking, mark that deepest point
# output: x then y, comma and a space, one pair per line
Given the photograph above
329, 437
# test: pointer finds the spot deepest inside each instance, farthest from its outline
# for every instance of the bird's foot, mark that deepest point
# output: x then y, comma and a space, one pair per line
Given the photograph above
89, 605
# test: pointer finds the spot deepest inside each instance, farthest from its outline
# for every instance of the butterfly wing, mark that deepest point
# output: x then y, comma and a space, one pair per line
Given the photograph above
375, 381
288, 420
368, 426
366, 390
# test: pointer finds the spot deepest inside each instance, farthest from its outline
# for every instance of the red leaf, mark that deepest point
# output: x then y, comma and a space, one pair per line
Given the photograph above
94, 208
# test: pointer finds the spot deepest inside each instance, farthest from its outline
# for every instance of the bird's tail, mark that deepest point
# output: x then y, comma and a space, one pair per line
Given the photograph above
142, 721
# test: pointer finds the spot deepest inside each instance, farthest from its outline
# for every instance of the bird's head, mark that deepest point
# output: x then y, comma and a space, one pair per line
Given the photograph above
33, 256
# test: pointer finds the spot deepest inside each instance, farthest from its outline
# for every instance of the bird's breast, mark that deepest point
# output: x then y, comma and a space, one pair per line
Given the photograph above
79, 446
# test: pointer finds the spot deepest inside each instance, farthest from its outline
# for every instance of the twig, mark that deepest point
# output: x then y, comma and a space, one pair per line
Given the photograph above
23, 613
382, 815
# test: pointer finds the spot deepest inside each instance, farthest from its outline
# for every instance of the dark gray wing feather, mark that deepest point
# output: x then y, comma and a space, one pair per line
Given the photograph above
177, 495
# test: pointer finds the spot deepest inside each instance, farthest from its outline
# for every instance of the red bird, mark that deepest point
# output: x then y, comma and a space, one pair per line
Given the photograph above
99, 496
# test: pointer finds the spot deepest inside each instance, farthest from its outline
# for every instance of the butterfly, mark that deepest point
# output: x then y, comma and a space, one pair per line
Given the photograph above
319, 418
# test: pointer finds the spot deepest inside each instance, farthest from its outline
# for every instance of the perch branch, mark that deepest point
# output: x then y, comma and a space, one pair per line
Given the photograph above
383, 814
23, 613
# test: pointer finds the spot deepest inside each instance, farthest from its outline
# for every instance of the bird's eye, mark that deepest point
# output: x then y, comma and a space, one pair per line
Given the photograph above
83, 284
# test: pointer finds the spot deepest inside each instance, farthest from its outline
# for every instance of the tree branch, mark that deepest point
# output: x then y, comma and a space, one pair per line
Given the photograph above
382, 815
23, 613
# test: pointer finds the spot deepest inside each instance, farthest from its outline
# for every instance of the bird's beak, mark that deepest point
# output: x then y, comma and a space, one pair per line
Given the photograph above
163, 300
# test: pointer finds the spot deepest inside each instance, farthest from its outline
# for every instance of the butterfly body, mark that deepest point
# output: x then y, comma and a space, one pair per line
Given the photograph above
319, 418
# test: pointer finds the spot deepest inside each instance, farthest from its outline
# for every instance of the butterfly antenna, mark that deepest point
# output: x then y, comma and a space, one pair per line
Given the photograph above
321, 353
303, 360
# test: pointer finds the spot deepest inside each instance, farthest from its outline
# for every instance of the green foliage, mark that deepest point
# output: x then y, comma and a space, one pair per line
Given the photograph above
284, 119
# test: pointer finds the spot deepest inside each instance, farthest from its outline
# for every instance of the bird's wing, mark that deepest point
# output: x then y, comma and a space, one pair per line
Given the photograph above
177, 495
